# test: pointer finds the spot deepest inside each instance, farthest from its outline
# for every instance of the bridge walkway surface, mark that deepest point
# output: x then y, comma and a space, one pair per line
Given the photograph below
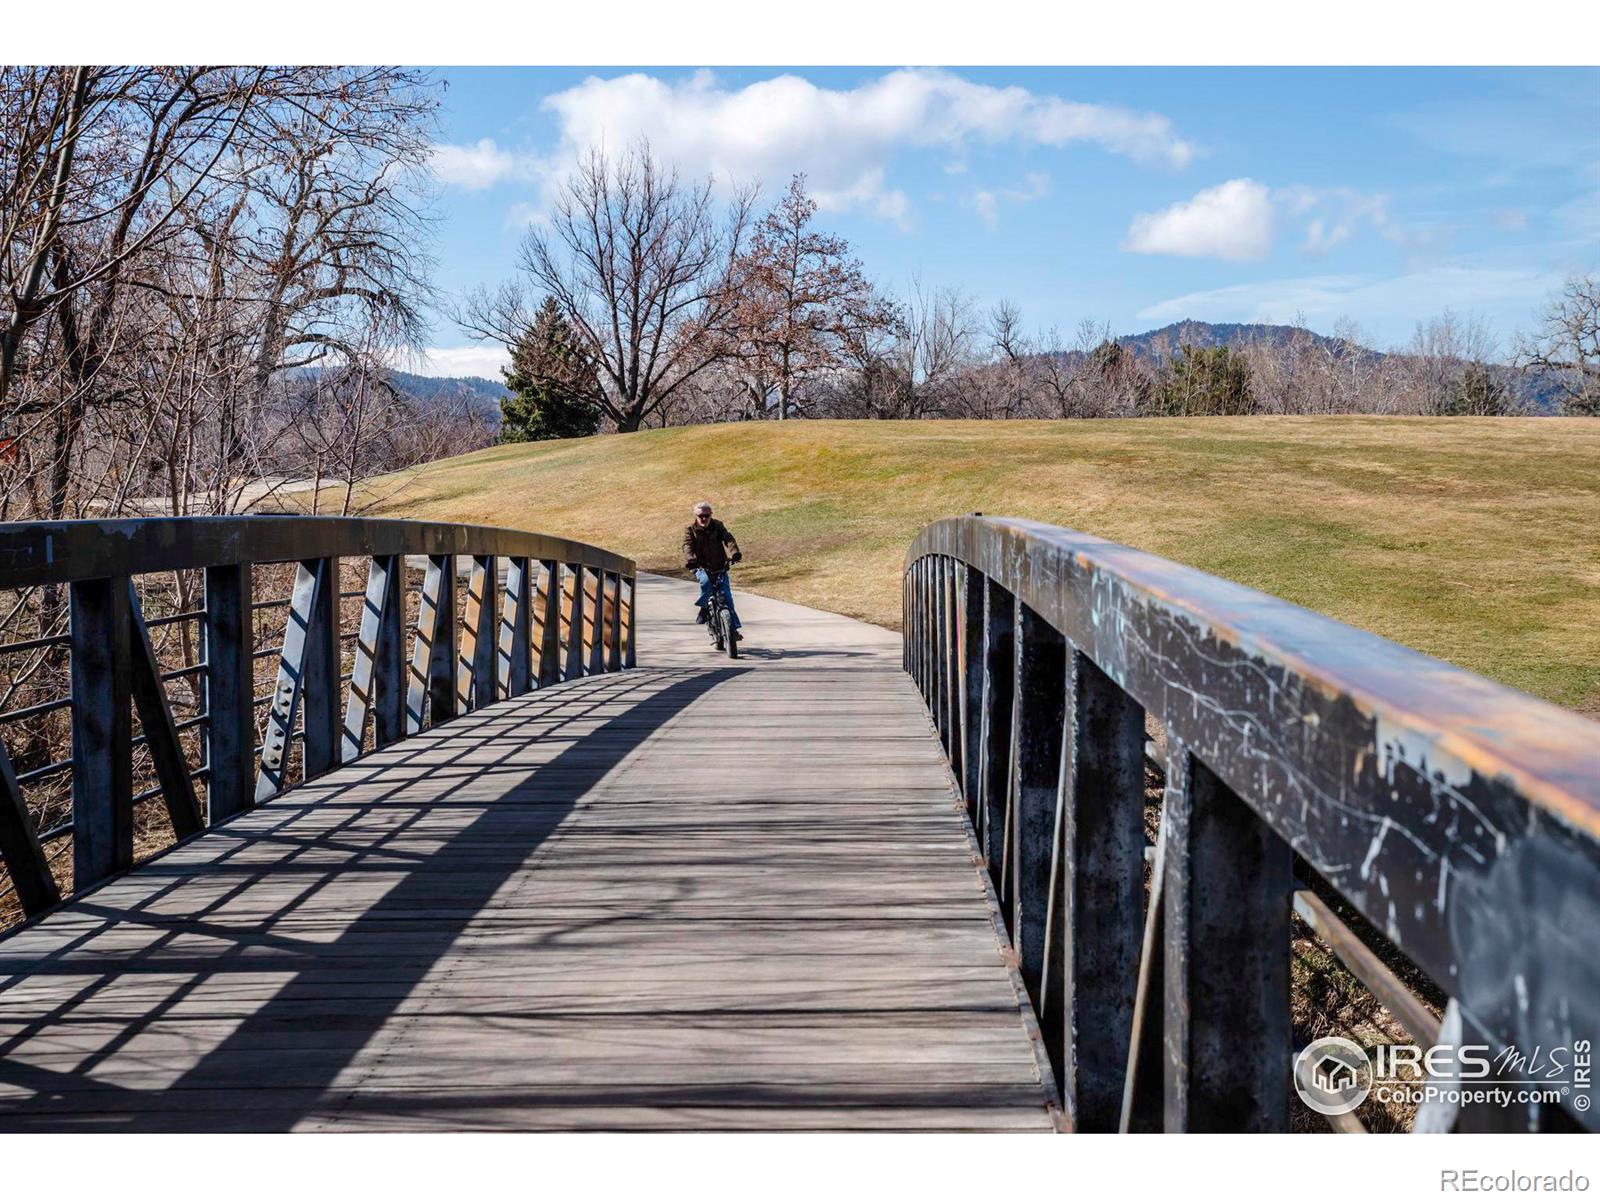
701, 894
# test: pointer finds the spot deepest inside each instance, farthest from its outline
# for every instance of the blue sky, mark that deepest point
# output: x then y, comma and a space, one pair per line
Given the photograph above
1130, 196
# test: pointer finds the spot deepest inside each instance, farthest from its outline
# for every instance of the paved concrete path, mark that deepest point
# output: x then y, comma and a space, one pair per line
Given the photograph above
699, 895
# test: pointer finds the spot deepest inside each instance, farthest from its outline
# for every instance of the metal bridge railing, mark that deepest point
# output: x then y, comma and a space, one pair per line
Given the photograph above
564, 610
1301, 756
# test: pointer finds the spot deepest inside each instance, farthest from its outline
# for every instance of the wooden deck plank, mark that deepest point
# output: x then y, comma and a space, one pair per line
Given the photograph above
697, 895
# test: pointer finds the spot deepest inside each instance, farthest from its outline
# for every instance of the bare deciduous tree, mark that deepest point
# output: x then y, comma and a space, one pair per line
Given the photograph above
643, 266
803, 303
1565, 348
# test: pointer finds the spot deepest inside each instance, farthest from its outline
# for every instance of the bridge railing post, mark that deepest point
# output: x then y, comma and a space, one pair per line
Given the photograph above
514, 674
475, 666
549, 627
924, 629
102, 730
323, 719
942, 662
914, 629
1226, 900
431, 694
229, 641
614, 623
373, 695
630, 624
994, 738
574, 594
974, 587
1093, 929
952, 664
1038, 714
595, 647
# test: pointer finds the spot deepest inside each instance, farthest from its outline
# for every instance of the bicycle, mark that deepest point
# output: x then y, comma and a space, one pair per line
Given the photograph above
719, 618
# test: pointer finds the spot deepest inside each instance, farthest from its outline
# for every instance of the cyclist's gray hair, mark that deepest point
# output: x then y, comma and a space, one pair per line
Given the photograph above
699, 504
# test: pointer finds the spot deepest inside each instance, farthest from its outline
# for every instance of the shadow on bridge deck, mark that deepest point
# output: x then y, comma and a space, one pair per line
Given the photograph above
701, 894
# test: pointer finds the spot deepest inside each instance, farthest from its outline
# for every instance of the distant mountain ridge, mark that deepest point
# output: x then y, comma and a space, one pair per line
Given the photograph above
1203, 335
1155, 345
430, 386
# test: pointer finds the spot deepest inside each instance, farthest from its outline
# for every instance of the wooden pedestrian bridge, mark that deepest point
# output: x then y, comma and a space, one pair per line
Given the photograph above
344, 824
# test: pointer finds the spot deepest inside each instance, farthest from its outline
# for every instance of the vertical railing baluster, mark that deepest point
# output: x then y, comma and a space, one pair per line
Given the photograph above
548, 608
475, 667
952, 664
323, 718
389, 656
1096, 892
1039, 711
25, 862
161, 738
924, 629
374, 691
573, 594
995, 736
630, 624
941, 654
914, 588
431, 692
972, 673
300, 634
914, 608
230, 688
1227, 901
515, 675
904, 628
597, 622
102, 731
614, 625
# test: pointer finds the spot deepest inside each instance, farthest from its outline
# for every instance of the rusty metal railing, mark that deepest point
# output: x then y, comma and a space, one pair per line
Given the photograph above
563, 610
1459, 817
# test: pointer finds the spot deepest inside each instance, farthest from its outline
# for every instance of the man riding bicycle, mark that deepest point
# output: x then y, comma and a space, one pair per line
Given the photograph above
708, 551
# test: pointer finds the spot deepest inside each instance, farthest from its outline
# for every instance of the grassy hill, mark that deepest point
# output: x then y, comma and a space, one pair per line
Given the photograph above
1474, 540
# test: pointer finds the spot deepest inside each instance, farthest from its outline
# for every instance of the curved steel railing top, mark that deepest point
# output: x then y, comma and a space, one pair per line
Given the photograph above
38, 552
1459, 816
1430, 712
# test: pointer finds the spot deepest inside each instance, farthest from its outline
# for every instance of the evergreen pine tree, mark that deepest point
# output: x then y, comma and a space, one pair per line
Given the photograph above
552, 383
1211, 382
1478, 394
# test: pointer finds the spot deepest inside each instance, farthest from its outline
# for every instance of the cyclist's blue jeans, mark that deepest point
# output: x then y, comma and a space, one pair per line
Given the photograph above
722, 586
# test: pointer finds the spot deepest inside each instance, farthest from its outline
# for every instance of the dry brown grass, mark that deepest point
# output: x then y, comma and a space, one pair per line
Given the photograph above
1475, 540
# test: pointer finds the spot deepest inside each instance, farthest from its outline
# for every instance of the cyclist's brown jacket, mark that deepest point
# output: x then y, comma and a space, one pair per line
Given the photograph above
705, 547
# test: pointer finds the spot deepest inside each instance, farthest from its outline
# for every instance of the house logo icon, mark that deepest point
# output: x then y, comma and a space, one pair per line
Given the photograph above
1333, 1076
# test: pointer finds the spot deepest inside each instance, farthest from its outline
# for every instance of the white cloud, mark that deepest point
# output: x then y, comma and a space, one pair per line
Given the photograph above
1334, 214
986, 202
474, 167
1394, 302
844, 139
443, 362
1237, 221
1231, 221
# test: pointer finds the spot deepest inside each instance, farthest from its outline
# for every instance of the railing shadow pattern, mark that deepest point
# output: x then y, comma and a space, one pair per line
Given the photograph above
564, 610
